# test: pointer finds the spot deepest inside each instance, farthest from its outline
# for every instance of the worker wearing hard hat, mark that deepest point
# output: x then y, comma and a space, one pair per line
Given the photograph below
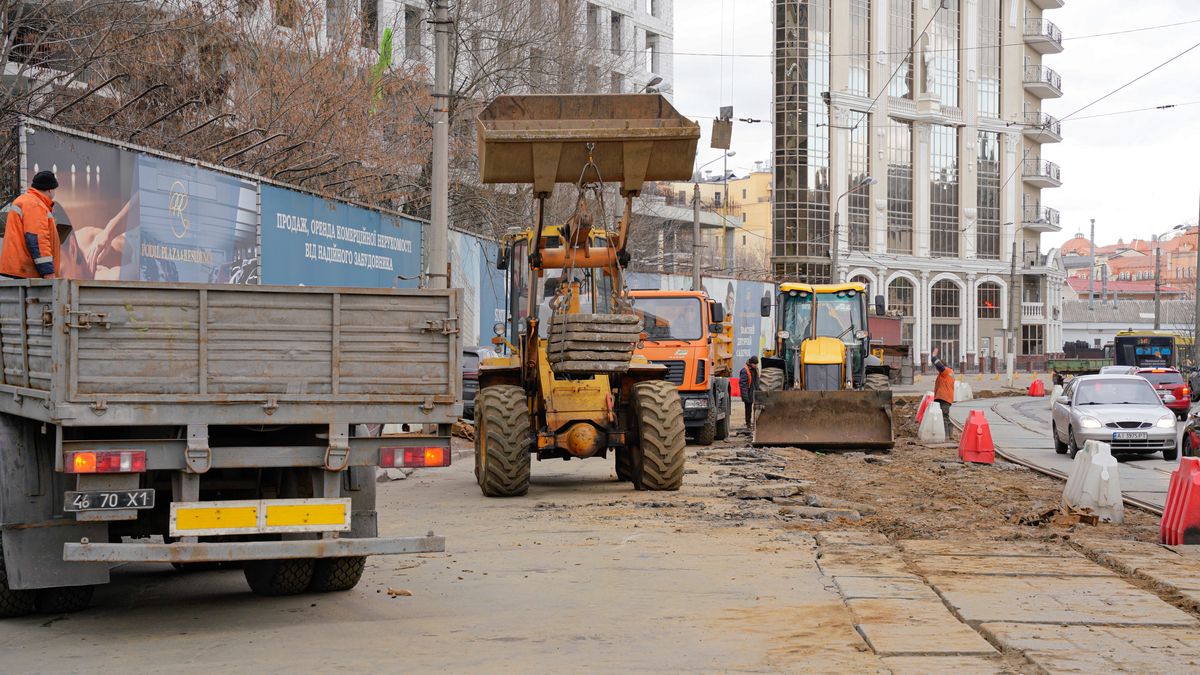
31, 247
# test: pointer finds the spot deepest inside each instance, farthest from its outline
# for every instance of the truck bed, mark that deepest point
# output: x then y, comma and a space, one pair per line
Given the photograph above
100, 353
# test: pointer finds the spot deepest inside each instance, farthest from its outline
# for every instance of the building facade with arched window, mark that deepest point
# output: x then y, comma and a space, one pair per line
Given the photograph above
952, 134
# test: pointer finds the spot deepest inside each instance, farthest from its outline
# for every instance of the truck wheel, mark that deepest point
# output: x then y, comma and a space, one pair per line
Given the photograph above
502, 441
279, 577
64, 600
337, 574
706, 434
723, 425
13, 603
659, 459
771, 379
624, 464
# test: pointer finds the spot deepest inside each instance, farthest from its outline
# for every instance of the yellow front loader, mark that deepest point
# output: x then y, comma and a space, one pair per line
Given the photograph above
818, 389
571, 386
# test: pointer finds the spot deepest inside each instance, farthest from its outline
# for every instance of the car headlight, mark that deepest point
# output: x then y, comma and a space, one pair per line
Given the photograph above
695, 403
1166, 422
1089, 423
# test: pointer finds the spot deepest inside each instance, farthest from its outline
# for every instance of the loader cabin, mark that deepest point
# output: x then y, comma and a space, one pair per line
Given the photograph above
807, 311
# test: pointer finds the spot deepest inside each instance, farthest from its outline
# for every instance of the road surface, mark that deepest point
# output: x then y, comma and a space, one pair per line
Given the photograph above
1021, 429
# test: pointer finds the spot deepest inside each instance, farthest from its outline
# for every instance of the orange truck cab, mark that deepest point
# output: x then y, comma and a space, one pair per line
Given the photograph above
684, 332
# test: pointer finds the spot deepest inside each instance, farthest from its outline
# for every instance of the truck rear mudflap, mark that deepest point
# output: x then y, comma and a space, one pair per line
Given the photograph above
85, 551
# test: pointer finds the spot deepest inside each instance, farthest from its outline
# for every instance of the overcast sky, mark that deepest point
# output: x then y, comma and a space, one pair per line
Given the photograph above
1137, 174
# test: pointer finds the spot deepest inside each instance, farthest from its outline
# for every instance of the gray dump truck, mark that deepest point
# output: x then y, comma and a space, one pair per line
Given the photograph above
201, 424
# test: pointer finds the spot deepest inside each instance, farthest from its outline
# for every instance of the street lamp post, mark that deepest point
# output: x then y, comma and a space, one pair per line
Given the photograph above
696, 245
1158, 274
835, 275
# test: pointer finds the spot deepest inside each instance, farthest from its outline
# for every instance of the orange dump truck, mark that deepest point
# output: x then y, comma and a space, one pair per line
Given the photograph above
687, 332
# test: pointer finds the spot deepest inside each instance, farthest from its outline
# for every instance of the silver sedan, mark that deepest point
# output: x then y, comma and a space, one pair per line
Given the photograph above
1122, 410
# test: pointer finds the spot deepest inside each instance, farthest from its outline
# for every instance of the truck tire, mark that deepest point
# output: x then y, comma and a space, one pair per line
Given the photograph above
270, 578
337, 574
503, 441
63, 600
624, 464
706, 434
13, 603
727, 408
877, 382
659, 458
771, 379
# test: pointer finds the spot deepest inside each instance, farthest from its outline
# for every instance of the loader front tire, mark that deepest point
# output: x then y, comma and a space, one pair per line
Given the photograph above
659, 457
503, 440
771, 379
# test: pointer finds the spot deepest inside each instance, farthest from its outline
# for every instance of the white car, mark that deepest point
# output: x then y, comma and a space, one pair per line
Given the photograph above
1124, 411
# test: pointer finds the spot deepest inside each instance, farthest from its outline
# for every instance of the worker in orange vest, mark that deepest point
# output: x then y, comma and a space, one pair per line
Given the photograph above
31, 248
943, 388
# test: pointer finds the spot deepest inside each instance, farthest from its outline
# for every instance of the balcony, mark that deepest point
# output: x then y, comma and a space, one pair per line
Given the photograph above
1035, 311
1042, 128
1037, 218
1049, 4
1042, 82
1043, 36
1041, 173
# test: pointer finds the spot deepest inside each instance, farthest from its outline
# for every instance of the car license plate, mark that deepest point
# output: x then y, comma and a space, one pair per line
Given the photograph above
1129, 436
108, 500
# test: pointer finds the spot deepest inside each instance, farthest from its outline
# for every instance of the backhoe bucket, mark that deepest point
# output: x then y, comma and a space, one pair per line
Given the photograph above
824, 420
543, 140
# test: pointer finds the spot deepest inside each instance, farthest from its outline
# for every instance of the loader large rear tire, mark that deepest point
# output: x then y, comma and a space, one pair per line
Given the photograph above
772, 379
659, 458
503, 441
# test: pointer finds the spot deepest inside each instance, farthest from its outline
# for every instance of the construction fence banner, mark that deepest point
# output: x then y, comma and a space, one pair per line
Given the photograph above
137, 217
311, 241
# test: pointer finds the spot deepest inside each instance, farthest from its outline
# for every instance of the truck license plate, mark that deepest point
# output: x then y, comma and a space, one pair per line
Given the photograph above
108, 500
1129, 436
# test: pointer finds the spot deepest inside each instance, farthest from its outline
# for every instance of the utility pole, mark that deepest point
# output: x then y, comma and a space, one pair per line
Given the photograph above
697, 247
1196, 316
439, 229
1158, 282
1010, 355
1092, 267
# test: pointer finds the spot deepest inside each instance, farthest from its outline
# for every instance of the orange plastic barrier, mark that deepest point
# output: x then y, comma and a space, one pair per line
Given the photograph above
1037, 388
976, 443
1181, 516
925, 401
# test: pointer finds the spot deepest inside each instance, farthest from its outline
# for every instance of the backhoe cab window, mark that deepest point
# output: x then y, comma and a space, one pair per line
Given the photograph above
840, 315
797, 316
671, 318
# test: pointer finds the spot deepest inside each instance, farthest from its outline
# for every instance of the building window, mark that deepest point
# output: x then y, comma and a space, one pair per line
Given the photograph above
945, 337
900, 187
943, 191
989, 300
593, 26
987, 195
743, 194
942, 56
990, 42
1033, 340
617, 85
944, 300
412, 34
370, 24
801, 206
717, 199
900, 297
614, 35
652, 62
286, 12
900, 40
860, 47
858, 202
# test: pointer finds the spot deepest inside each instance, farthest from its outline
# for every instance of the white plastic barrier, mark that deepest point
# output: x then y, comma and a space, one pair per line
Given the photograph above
1054, 394
1095, 483
933, 428
963, 391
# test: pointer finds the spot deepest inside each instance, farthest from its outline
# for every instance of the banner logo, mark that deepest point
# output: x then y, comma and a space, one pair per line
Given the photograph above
177, 206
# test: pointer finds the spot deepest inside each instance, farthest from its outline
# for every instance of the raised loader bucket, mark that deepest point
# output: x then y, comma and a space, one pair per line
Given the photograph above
825, 420
543, 140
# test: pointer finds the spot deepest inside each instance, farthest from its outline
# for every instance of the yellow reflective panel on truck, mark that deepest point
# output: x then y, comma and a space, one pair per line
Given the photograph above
259, 516
306, 514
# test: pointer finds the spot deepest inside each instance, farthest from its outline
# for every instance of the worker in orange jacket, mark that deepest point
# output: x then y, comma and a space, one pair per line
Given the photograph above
31, 247
943, 388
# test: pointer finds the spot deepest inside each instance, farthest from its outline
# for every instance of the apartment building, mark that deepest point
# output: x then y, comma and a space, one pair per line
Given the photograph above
740, 239
931, 150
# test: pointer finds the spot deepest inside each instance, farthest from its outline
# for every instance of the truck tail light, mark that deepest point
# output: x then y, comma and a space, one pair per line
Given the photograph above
1186, 391
107, 461
396, 458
